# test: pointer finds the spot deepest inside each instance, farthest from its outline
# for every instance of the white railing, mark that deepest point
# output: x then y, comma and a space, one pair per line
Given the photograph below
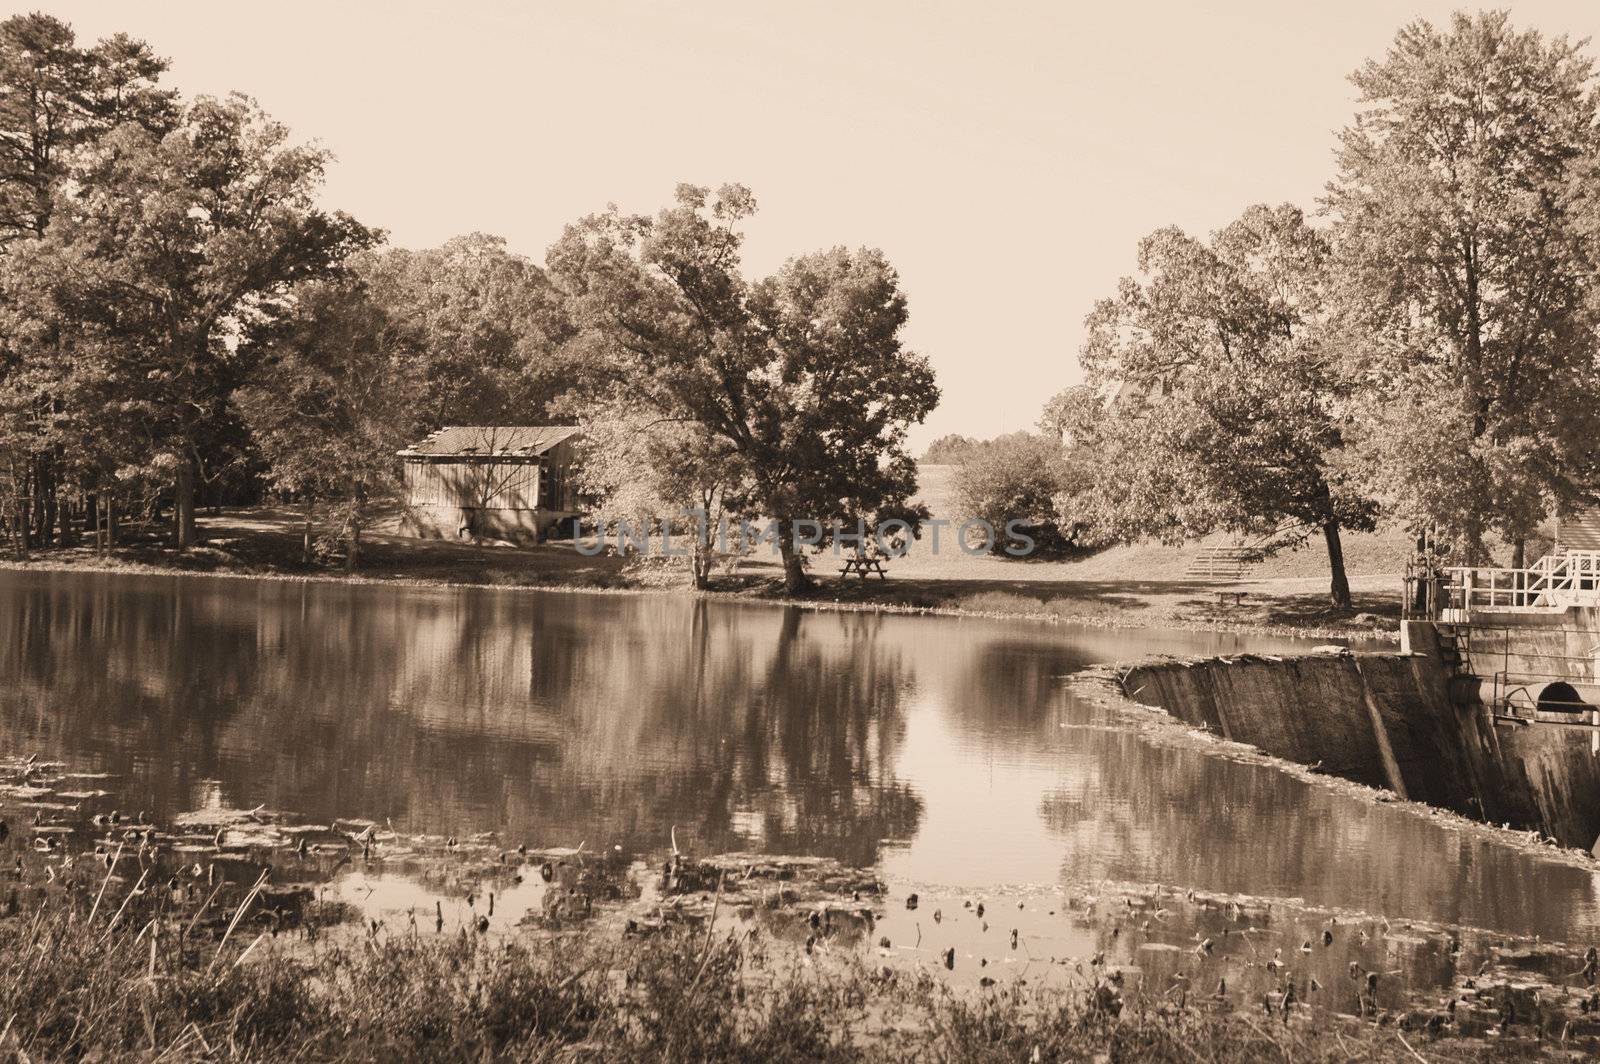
1554, 582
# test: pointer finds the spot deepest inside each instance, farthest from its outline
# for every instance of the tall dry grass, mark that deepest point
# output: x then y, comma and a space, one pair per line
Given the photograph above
110, 975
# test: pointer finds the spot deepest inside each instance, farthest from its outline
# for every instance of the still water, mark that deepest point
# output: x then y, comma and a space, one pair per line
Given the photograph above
941, 751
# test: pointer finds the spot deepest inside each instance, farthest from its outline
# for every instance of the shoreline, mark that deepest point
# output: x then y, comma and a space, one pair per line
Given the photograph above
1121, 621
792, 920
799, 921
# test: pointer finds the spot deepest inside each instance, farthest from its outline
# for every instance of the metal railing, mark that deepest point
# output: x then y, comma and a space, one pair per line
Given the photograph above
1554, 582
1488, 648
1524, 684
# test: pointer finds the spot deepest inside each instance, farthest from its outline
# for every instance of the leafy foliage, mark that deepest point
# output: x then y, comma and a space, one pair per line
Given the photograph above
949, 449
335, 393
652, 472
1015, 478
1223, 406
1465, 212
486, 323
801, 375
58, 97
151, 273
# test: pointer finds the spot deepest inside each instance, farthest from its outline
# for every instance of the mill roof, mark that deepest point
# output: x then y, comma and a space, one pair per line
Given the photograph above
483, 441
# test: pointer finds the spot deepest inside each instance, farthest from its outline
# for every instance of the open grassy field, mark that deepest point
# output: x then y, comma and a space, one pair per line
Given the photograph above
1367, 554
1135, 585
1138, 585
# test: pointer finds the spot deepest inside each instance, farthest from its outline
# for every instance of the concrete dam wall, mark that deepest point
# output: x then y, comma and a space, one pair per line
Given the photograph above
1389, 720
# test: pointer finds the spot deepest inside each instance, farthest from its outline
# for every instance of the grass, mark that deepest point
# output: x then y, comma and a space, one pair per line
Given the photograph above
265, 542
155, 947
108, 983
1141, 585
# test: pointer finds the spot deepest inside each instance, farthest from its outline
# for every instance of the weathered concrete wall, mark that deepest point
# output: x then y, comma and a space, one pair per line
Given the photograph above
1556, 769
1387, 720
1528, 645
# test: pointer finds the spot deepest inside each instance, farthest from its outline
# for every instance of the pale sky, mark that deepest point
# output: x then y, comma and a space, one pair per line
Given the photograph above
1006, 156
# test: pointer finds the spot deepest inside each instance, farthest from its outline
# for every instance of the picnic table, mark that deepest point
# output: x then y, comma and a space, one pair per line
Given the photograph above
1238, 597
863, 566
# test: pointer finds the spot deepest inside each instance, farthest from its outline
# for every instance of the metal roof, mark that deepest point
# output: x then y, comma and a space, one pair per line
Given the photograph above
478, 441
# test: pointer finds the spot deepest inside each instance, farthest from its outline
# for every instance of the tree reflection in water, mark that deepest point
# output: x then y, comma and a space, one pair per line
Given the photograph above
556, 718
942, 750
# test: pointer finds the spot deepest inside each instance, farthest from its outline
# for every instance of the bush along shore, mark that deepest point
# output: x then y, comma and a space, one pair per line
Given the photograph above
224, 935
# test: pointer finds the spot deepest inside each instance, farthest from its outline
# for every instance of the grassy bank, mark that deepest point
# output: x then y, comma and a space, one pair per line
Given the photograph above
1093, 591
123, 981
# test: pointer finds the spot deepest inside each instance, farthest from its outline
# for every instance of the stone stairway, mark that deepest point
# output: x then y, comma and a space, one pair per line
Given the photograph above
1222, 563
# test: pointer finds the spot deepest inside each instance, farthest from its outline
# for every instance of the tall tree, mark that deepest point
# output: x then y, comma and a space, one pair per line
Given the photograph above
44, 76
1467, 261
156, 269
1226, 401
56, 96
802, 374
658, 473
333, 394
1016, 477
949, 449
489, 323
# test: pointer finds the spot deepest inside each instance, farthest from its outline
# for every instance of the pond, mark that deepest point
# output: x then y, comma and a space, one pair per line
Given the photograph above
937, 750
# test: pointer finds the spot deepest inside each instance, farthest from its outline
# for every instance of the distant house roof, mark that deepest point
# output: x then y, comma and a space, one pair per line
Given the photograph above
479, 441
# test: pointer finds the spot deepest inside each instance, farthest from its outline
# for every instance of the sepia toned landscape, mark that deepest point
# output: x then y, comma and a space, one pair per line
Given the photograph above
701, 532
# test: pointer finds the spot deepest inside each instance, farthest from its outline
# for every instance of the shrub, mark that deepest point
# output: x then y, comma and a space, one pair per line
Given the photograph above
1015, 478
948, 450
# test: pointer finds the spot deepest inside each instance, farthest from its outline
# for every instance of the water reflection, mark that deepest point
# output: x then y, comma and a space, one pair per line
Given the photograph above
942, 750
1127, 810
553, 717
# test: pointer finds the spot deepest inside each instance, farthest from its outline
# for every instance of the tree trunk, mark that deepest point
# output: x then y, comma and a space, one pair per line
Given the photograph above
1519, 562
305, 539
24, 513
701, 564
1339, 592
48, 505
794, 574
65, 518
701, 560
111, 522
183, 504
91, 518
41, 524
352, 539
704, 554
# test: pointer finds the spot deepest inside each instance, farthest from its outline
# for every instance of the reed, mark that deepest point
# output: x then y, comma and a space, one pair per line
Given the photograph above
77, 984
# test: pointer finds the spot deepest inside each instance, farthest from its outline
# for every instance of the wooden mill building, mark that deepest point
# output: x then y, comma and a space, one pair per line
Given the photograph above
510, 482
1579, 531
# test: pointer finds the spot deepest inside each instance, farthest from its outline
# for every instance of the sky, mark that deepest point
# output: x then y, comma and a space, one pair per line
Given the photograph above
1006, 156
